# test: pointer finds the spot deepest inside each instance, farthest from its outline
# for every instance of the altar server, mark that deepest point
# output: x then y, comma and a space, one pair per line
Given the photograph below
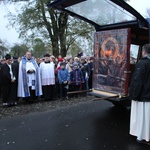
47, 72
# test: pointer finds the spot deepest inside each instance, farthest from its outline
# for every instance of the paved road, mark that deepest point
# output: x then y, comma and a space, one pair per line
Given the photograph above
87, 126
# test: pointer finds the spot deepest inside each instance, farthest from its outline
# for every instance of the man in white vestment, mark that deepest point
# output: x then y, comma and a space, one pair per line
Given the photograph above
29, 83
140, 96
47, 73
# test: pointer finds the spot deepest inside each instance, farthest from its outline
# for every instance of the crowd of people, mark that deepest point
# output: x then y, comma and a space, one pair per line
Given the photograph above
29, 78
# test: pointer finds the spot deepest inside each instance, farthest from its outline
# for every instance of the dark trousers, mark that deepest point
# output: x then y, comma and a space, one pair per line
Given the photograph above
76, 87
48, 91
6, 92
57, 90
63, 90
9, 93
56, 87
32, 96
90, 80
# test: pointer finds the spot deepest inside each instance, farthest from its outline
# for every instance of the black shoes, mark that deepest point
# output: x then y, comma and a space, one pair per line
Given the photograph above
5, 105
143, 142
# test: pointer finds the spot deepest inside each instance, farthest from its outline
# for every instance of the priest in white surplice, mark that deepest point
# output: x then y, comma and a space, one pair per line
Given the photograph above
140, 96
29, 83
47, 77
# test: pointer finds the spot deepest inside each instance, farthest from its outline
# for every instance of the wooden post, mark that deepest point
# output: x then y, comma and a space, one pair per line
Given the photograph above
77, 92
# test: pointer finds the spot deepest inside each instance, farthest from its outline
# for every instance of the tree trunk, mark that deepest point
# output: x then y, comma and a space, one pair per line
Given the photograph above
63, 50
55, 48
62, 23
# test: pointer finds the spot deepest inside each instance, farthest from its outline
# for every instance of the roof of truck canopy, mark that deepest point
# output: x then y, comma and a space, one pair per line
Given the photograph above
107, 15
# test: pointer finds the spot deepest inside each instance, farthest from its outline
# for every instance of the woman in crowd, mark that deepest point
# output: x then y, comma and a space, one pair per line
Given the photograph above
69, 65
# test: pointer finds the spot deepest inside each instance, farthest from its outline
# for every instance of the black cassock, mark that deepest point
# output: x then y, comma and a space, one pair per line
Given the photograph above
9, 89
48, 92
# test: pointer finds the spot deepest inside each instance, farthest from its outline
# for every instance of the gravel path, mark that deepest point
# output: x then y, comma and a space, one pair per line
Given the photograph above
39, 106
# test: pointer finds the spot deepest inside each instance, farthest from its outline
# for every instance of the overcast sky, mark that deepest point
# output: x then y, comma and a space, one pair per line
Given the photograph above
11, 36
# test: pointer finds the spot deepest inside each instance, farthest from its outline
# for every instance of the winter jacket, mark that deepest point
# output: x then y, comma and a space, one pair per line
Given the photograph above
76, 77
140, 83
63, 75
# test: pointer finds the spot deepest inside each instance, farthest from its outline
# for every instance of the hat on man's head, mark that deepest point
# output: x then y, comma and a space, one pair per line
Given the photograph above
47, 55
7, 56
63, 64
15, 58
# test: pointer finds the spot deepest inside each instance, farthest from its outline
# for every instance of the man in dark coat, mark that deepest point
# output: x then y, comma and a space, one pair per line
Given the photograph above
140, 96
9, 90
15, 70
86, 73
91, 72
